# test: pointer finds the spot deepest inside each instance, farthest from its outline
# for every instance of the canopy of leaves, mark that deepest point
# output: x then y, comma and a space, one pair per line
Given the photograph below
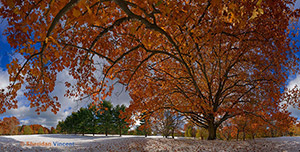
9, 125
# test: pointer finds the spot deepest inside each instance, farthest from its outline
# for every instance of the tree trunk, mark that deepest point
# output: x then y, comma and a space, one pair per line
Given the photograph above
227, 137
120, 131
253, 136
145, 131
173, 133
244, 134
106, 132
94, 125
212, 132
237, 135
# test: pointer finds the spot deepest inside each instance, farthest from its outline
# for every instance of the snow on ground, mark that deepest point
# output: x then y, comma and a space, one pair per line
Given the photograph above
58, 142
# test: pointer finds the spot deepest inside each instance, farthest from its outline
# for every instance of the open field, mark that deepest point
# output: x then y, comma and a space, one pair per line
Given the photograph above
57, 142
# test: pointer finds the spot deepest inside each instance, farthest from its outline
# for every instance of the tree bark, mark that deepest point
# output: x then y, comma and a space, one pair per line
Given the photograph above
237, 135
244, 134
173, 133
253, 136
146, 132
212, 132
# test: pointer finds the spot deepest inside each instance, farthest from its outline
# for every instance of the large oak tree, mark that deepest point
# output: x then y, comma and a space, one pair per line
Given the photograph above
208, 59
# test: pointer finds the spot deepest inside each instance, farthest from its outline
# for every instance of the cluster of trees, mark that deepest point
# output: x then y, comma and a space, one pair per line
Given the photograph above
108, 120
35, 129
190, 130
295, 130
166, 123
248, 127
10, 126
103, 118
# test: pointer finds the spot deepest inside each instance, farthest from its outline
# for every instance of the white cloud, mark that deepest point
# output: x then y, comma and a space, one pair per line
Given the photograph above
4, 79
292, 83
119, 95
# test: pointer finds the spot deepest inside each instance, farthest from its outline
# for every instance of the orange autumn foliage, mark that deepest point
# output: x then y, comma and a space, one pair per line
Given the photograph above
249, 126
211, 60
9, 126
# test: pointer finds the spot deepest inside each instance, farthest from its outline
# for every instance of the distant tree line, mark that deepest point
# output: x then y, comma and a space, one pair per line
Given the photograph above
247, 127
107, 119
10, 126
104, 119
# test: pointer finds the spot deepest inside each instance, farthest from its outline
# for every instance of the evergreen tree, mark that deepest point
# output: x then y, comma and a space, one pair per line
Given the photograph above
85, 119
60, 127
94, 120
145, 126
105, 117
119, 123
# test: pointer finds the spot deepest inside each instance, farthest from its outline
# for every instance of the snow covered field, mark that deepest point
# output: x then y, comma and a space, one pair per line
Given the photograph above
57, 142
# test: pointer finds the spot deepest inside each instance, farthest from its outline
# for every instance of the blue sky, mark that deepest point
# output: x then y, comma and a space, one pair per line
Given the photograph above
27, 115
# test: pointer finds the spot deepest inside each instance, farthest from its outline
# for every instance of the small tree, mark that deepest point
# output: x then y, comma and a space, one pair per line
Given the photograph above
167, 123
41, 130
27, 130
53, 130
190, 131
201, 133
